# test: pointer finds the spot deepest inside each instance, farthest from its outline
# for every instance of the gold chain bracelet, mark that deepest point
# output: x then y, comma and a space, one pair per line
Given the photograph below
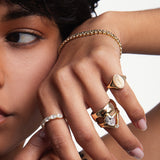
91, 33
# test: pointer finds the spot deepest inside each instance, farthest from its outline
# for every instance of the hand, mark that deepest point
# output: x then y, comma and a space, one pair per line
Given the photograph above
77, 81
38, 148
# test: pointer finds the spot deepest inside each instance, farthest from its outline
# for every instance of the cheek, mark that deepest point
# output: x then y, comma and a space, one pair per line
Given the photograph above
25, 76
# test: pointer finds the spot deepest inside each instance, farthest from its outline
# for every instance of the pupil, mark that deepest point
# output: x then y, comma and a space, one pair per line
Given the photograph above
14, 37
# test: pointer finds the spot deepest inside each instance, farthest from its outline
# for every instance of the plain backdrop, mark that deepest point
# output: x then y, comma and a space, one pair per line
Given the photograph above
142, 71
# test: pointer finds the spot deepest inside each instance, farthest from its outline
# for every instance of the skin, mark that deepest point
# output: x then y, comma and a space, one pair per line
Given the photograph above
94, 60
56, 90
144, 22
23, 66
74, 64
150, 139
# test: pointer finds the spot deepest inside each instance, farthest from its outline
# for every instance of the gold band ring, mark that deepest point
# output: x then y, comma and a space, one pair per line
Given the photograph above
107, 117
117, 82
51, 117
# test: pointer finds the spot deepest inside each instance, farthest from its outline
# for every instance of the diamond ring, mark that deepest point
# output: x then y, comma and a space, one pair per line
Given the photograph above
51, 117
107, 117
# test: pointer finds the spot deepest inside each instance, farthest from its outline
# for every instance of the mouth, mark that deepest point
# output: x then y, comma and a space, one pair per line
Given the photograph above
3, 115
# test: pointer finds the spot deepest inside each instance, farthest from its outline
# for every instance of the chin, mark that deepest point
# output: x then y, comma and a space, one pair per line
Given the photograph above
9, 146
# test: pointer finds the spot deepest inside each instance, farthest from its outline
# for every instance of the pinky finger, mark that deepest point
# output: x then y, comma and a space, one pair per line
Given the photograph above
35, 148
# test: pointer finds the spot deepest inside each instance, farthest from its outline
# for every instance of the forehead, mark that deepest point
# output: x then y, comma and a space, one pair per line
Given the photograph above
14, 16
9, 12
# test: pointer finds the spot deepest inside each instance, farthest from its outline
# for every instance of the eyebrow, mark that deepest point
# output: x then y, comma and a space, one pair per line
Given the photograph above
15, 14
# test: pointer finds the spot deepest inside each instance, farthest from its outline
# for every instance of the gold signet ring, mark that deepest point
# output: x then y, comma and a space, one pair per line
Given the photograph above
117, 82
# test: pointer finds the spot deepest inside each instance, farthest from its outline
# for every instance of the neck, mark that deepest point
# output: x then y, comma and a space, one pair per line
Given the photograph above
13, 153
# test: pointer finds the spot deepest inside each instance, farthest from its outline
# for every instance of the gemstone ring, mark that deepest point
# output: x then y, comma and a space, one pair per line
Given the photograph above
51, 117
107, 117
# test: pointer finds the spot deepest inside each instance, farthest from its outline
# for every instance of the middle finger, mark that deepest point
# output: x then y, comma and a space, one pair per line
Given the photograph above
77, 116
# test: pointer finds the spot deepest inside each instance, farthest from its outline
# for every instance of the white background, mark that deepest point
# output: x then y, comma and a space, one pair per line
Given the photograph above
142, 71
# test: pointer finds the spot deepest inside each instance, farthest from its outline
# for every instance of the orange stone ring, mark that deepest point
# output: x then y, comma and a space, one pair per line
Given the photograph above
107, 116
117, 82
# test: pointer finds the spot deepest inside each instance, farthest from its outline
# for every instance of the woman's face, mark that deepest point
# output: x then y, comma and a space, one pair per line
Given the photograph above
28, 50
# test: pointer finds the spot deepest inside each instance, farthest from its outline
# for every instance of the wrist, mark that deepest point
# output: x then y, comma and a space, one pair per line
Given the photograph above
115, 22
109, 21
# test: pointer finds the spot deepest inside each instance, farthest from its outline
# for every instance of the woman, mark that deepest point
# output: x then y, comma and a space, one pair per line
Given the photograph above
29, 40
30, 35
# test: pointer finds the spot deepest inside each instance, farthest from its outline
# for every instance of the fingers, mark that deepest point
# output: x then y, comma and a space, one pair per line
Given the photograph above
57, 129
34, 148
69, 91
94, 94
97, 98
128, 100
126, 139
125, 96
78, 118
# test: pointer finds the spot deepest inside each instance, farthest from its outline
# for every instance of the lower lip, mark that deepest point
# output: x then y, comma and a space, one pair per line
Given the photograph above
2, 118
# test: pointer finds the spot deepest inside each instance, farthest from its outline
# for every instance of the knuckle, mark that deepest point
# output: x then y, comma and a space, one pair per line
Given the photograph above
59, 142
123, 92
80, 66
103, 56
137, 114
84, 136
98, 53
129, 144
61, 76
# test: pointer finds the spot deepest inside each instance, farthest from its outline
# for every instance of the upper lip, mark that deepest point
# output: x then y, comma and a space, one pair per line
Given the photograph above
4, 113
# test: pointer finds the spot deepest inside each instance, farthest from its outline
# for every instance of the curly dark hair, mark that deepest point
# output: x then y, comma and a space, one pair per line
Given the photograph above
67, 14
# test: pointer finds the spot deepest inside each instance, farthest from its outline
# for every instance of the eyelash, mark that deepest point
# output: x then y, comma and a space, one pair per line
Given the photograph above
29, 37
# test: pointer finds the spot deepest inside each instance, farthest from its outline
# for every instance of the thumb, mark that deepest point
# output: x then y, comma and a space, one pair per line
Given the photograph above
34, 148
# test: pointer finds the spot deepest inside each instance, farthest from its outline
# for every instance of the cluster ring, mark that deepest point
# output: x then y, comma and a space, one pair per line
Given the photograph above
108, 116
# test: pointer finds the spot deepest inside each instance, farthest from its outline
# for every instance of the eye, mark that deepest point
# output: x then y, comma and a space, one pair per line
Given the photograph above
22, 38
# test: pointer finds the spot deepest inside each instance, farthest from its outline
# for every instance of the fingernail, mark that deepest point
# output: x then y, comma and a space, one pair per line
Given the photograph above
42, 134
137, 153
142, 124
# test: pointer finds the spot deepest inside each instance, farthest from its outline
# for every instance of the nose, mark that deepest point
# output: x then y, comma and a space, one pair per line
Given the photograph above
1, 77
1, 67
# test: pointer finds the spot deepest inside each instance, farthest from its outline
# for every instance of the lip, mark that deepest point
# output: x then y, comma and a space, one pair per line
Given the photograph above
3, 115
2, 118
